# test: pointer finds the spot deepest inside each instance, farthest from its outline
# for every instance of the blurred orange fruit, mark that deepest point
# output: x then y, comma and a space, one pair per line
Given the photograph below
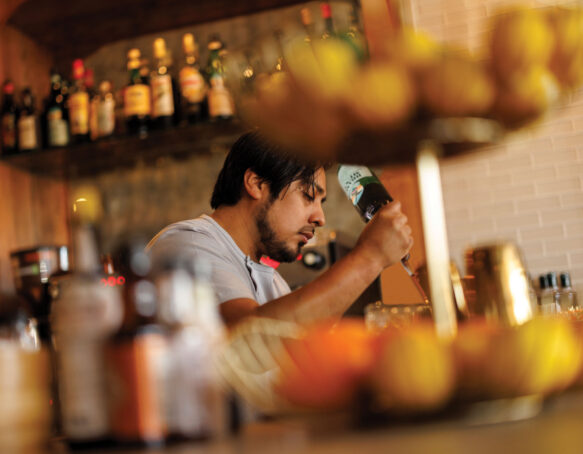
415, 371
326, 367
521, 38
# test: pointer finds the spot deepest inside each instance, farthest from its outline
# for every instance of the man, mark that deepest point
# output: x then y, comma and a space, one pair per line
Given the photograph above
267, 203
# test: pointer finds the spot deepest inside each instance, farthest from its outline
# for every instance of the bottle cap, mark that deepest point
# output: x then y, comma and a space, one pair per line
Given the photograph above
326, 10
78, 69
188, 43
159, 48
552, 279
306, 16
134, 54
565, 280
105, 86
543, 281
8, 87
89, 78
215, 43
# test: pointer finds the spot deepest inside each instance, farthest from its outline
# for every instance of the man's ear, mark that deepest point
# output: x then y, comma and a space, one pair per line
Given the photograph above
254, 186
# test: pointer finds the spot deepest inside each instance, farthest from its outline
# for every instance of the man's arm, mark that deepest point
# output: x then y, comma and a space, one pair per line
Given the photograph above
383, 242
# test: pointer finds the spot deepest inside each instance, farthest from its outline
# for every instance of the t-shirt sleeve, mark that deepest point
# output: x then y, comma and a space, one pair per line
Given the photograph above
227, 280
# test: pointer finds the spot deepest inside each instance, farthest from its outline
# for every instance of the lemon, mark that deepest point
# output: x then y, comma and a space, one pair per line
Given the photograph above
382, 96
414, 49
567, 56
521, 39
526, 96
457, 87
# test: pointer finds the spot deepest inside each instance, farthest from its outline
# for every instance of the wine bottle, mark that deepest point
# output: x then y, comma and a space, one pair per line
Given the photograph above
28, 125
193, 89
137, 97
56, 115
220, 101
162, 87
79, 105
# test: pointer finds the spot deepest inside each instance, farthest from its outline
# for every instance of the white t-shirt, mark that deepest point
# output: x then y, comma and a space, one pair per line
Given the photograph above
233, 274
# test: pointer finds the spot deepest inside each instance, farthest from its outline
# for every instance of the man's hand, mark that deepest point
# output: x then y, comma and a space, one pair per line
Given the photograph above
386, 239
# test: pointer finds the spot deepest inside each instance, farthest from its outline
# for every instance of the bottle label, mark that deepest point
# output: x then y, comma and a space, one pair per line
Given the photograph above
58, 131
79, 113
27, 137
137, 100
163, 102
192, 85
220, 100
353, 179
9, 130
106, 117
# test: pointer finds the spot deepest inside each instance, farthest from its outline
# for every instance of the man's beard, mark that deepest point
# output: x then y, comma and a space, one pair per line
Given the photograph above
271, 246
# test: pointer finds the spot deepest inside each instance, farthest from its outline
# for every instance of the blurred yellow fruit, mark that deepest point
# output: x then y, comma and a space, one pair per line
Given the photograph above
521, 38
325, 68
526, 96
539, 357
413, 49
457, 87
327, 365
567, 56
415, 371
383, 95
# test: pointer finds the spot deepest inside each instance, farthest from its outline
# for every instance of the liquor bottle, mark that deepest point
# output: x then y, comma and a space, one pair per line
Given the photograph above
306, 17
9, 119
549, 303
84, 314
193, 88
220, 101
137, 96
162, 87
56, 115
326, 12
196, 406
105, 110
28, 124
79, 105
136, 355
93, 103
354, 35
568, 296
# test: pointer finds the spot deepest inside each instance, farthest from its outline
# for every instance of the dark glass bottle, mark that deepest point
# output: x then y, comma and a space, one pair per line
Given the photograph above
137, 97
9, 119
162, 85
220, 101
79, 105
364, 189
56, 118
193, 88
28, 124
136, 355
326, 12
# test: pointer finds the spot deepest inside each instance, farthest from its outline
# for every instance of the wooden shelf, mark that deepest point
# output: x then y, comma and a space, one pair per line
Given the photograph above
76, 28
83, 160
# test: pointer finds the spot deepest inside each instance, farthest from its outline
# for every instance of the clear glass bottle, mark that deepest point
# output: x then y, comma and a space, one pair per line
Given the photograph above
193, 88
162, 87
105, 110
220, 101
79, 105
28, 123
568, 296
9, 119
548, 301
56, 114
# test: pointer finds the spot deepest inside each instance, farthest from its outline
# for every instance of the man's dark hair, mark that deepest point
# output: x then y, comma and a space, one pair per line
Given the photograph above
273, 165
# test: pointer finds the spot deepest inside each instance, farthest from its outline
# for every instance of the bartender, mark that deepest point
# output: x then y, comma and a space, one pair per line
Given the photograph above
268, 203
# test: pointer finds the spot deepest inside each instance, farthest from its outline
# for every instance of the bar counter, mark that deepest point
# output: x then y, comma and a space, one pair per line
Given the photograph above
556, 428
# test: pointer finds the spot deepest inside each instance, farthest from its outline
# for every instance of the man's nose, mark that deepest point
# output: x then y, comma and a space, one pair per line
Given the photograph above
317, 217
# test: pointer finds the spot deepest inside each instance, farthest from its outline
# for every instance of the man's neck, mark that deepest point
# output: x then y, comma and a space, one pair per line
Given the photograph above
239, 222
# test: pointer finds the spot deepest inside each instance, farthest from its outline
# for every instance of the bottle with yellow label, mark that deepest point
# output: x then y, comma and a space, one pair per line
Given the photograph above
161, 82
193, 88
220, 101
79, 105
137, 97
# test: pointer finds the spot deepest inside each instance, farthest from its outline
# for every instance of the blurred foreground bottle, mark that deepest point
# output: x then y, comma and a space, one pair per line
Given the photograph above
137, 97
193, 89
8, 119
136, 356
79, 105
28, 124
56, 115
84, 315
568, 296
162, 87
326, 12
220, 101
196, 405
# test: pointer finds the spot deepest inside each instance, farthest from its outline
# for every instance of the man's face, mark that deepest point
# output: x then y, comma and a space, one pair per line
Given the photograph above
288, 222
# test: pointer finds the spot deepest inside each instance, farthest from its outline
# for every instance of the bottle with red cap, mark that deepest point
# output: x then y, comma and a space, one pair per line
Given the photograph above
8, 120
326, 12
79, 105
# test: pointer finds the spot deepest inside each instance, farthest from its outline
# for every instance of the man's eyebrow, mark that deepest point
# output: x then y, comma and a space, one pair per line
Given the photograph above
320, 189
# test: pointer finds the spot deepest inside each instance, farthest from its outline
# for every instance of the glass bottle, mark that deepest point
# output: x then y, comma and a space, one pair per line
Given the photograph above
84, 314
136, 355
79, 105
56, 115
326, 13
9, 119
137, 97
568, 296
193, 88
105, 110
307, 22
220, 101
28, 124
93, 104
161, 84
354, 35
548, 301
